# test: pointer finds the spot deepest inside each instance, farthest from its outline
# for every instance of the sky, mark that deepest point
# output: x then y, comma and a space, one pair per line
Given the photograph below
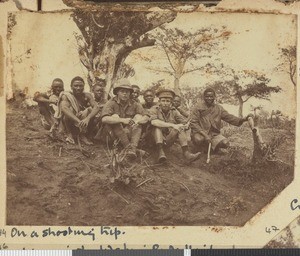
253, 45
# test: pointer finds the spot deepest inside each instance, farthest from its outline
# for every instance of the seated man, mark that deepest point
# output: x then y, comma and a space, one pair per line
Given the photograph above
147, 128
124, 117
136, 93
98, 93
169, 125
206, 119
149, 99
47, 103
77, 109
177, 105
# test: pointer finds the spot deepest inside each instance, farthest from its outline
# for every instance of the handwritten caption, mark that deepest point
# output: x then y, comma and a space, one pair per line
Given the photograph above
124, 246
93, 233
52, 232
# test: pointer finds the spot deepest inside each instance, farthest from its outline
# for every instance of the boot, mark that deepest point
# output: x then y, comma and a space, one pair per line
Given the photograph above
190, 157
161, 156
131, 152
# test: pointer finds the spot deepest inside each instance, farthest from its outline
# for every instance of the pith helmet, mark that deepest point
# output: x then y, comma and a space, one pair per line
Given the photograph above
165, 93
122, 84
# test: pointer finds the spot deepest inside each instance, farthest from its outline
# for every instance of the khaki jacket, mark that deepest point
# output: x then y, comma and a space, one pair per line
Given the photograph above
208, 119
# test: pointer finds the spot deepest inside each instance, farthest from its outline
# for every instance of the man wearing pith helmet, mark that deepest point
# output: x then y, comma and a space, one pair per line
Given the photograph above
124, 117
169, 126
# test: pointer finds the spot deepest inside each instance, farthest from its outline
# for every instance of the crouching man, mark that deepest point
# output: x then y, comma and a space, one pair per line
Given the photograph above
124, 116
77, 109
169, 126
206, 119
47, 103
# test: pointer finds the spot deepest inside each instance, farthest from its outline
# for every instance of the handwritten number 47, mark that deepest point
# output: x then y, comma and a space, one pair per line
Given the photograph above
271, 229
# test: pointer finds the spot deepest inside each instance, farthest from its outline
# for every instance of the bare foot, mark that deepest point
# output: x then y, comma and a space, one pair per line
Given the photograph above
70, 140
85, 140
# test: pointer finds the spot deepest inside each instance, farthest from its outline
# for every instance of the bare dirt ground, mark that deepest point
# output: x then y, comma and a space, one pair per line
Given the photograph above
53, 183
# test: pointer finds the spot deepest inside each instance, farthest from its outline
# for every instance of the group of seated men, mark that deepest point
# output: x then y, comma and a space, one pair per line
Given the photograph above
83, 116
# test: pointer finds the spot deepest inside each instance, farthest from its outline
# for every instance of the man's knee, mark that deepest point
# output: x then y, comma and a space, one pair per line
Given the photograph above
198, 139
117, 129
172, 136
183, 138
224, 144
44, 108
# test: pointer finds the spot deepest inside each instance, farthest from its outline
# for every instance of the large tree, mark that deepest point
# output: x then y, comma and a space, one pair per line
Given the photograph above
183, 50
108, 37
237, 87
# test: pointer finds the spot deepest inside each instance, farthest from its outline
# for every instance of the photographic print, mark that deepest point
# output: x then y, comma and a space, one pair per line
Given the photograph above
162, 122
157, 117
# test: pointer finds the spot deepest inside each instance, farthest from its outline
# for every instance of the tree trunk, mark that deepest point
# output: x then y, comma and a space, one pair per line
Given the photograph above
109, 37
241, 103
176, 86
260, 147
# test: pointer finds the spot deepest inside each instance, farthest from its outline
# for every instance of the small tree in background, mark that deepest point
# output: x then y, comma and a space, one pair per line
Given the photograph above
182, 48
288, 55
191, 95
237, 87
155, 86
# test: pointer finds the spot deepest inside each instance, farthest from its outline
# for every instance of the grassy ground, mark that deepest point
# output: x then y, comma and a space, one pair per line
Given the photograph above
53, 183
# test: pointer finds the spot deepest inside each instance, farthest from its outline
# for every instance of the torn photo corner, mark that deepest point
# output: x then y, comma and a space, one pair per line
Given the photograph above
81, 83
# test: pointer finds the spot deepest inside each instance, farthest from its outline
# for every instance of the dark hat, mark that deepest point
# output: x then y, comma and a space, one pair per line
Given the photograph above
209, 89
122, 84
165, 93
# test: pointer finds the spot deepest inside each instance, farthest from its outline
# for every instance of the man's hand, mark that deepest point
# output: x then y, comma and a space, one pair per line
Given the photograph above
247, 117
53, 101
178, 127
132, 123
207, 138
186, 126
126, 120
82, 125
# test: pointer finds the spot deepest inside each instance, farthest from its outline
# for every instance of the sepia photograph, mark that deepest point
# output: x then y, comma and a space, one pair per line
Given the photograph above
157, 116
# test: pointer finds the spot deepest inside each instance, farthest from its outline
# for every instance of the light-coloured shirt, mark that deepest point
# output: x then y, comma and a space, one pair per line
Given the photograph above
172, 116
114, 106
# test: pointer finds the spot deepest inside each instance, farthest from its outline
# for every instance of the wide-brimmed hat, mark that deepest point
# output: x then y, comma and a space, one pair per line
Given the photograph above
122, 84
165, 93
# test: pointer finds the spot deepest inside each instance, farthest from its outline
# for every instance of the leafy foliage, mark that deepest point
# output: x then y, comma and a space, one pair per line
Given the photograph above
191, 95
237, 87
107, 38
181, 48
155, 86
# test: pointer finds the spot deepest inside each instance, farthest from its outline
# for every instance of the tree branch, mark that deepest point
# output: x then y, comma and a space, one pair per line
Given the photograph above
247, 98
171, 64
162, 71
192, 70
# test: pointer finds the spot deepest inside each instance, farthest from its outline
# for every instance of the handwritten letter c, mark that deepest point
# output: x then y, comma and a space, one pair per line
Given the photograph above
294, 205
